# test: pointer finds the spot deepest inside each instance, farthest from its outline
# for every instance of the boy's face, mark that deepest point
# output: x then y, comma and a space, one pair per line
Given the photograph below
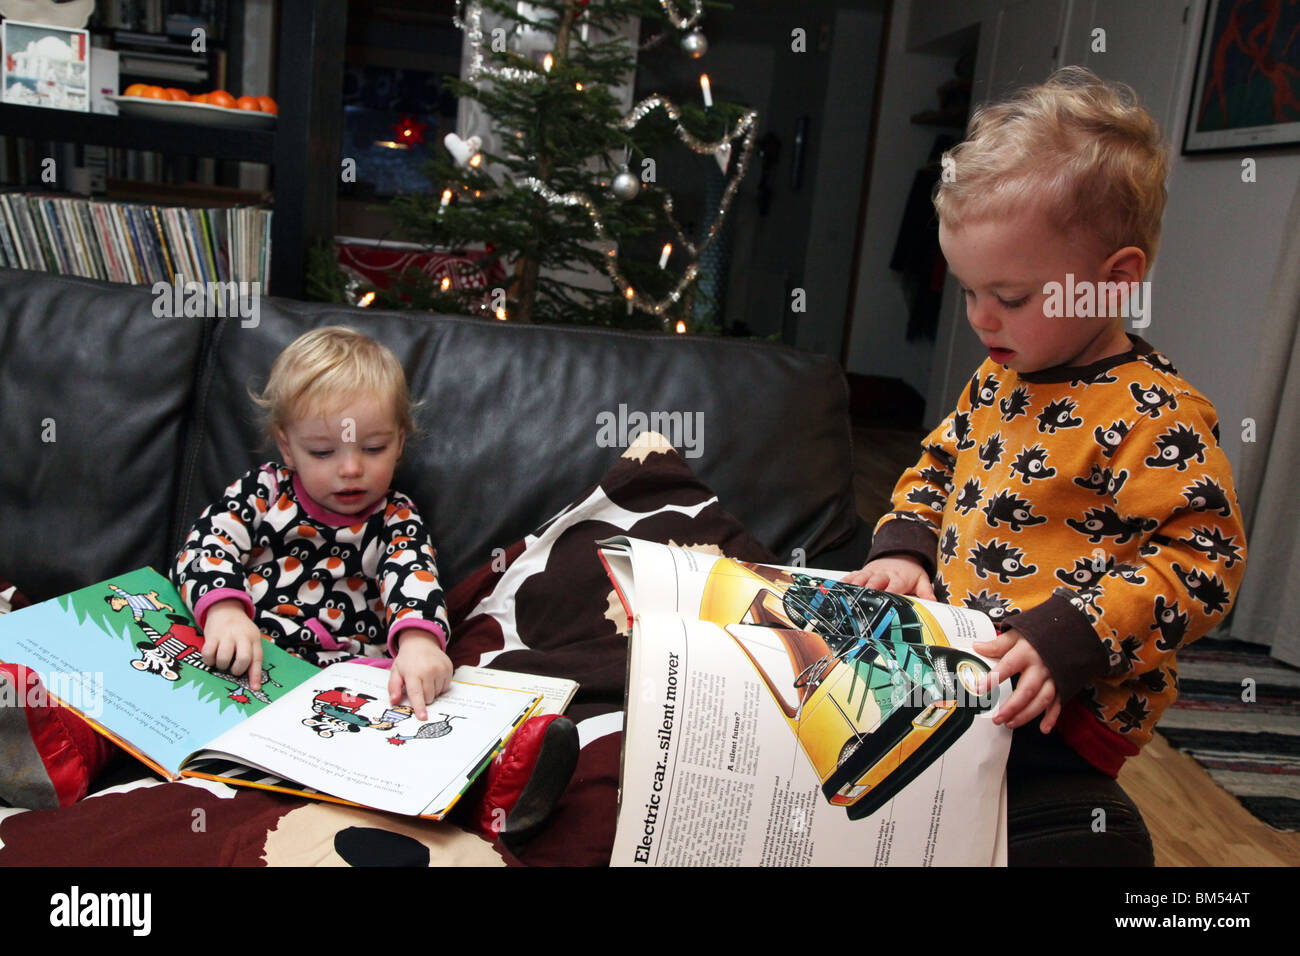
1003, 265
345, 457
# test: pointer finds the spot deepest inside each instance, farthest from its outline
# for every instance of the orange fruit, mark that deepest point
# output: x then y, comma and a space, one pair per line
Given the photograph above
201, 98
153, 93
176, 94
221, 98
248, 103
268, 105
135, 89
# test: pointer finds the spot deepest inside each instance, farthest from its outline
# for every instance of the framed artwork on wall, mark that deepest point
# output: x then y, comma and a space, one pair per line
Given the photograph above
1247, 92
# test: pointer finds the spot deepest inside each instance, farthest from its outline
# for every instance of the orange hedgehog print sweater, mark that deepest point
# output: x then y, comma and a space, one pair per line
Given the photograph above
1092, 509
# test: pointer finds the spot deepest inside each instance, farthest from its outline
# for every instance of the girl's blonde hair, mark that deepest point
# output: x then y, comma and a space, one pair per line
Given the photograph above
1078, 149
321, 370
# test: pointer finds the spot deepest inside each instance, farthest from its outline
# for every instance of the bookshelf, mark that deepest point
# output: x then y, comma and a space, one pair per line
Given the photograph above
302, 150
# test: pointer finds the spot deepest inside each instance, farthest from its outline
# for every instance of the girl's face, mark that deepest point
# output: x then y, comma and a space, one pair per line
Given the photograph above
346, 456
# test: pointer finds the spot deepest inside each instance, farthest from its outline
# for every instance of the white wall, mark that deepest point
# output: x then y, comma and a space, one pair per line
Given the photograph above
1220, 240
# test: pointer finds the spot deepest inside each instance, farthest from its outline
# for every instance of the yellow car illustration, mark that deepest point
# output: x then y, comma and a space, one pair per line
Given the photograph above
876, 696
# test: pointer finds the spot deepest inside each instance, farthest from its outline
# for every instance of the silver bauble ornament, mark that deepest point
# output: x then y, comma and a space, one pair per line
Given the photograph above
625, 186
695, 44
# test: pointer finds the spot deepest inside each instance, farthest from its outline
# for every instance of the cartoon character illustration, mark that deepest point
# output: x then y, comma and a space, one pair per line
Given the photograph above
961, 431
1109, 438
1170, 622
1212, 543
1152, 399
1031, 464
926, 497
1003, 561
937, 478
990, 452
163, 654
1058, 414
1015, 511
1086, 571
1017, 403
981, 395
1101, 523
948, 546
1103, 481
1133, 714
941, 592
993, 605
970, 496
338, 710
1203, 587
870, 689
1176, 447
138, 603
429, 731
1206, 495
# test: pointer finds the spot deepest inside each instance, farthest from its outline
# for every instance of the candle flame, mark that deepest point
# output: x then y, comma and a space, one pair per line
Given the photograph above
366, 299
446, 283
501, 313
548, 62
476, 159
681, 327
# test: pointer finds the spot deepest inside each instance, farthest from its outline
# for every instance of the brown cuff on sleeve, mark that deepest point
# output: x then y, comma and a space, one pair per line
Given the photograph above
911, 538
1066, 642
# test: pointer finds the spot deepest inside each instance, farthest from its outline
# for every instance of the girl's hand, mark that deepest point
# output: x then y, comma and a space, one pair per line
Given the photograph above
421, 669
897, 574
232, 642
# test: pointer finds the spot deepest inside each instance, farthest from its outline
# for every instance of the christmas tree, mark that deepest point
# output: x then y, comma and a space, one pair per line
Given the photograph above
562, 189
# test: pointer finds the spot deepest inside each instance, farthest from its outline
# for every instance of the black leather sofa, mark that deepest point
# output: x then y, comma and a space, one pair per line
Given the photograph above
117, 427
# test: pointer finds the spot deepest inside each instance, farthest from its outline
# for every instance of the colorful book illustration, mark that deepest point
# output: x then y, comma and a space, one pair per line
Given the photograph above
127, 656
851, 725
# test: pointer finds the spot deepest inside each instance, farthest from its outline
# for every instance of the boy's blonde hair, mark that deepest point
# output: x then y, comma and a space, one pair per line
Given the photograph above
1078, 149
324, 368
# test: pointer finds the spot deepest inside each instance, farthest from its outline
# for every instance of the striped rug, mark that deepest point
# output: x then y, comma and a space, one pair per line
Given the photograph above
1250, 748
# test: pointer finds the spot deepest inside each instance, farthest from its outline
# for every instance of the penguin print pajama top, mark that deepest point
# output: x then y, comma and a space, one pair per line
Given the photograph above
324, 586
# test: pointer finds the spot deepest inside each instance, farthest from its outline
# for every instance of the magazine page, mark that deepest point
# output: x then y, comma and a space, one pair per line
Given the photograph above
757, 745
125, 653
339, 734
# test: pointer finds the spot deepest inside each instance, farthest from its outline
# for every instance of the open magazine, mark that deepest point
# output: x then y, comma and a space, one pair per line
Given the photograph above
126, 655
776, 716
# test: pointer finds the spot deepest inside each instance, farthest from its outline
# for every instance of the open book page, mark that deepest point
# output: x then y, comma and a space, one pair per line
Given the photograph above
339, 734
868, 701
126, 655
740, 748
556, 692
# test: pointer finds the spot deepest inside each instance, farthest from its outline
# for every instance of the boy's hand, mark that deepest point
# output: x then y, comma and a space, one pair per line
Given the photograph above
897, 574
1035, 692
232, 642
421, 668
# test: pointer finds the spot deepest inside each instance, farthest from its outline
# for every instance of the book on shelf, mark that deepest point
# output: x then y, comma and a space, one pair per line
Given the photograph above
135, 242
125, 654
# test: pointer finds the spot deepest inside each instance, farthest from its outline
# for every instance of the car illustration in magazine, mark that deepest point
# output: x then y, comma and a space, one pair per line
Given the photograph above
875, 693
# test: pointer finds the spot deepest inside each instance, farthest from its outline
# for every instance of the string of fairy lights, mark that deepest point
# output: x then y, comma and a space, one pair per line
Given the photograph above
468, 17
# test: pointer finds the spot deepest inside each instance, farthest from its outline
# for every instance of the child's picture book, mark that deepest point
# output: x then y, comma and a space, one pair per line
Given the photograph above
127, 656
777, 716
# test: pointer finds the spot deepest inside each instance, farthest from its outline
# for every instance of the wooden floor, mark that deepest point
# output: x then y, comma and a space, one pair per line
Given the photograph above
1193, 821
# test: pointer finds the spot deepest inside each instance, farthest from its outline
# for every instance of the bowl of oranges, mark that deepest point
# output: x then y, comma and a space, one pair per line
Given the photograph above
217, 108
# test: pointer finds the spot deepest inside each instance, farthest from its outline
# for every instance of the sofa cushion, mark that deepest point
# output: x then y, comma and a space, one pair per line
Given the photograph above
516, 416
544, 605
96, 393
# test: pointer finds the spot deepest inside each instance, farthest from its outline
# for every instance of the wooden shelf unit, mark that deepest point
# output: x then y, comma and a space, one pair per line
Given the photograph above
303, 150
